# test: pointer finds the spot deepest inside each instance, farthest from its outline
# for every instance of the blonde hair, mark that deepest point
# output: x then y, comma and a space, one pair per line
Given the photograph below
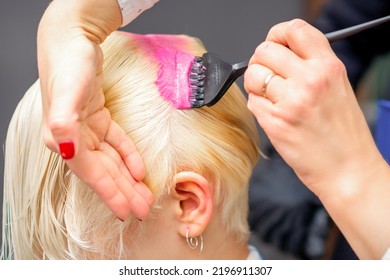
49, 213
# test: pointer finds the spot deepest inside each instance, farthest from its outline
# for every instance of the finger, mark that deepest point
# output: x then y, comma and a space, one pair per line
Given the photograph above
118, 169
59, 129
263, 82
112, 187
63, 120
111, 197
145, 192
278, 58
96, 176
139, 187
49, 140
138, 205
266, 115
117, 161
122, 143
261, 108
127, 150
302, 38
70, 91
96, 128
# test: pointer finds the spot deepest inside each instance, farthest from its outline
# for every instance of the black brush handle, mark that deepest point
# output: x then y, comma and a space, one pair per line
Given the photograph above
239, 68
346, 32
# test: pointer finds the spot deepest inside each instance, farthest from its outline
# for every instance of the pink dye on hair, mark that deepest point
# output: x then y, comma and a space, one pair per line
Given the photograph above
175, 65
172, 81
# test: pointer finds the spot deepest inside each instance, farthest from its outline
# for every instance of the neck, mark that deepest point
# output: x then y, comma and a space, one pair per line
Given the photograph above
160, 239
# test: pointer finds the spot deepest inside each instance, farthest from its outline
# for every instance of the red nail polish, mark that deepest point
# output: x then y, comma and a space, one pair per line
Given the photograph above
67, 150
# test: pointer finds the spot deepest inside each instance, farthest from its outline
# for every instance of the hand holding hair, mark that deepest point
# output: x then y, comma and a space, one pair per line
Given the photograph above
77, 124
200, 186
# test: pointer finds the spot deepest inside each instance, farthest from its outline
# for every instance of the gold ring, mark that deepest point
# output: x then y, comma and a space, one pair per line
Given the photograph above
266, 82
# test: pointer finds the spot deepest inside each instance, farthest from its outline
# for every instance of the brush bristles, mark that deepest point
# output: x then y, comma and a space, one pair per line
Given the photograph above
196, 79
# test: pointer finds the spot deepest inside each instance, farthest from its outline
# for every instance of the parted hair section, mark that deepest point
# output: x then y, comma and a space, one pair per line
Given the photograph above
50, 214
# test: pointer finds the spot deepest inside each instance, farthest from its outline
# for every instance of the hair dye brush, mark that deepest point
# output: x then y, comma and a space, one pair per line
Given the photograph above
211, 76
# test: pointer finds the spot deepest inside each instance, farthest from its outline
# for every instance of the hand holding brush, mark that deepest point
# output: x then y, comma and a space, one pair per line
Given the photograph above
211, 76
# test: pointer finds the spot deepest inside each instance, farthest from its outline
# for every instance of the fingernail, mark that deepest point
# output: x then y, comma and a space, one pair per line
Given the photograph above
67, 150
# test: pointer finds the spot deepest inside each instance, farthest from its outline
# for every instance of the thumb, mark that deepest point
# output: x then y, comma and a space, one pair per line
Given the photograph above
62, 137
62, 125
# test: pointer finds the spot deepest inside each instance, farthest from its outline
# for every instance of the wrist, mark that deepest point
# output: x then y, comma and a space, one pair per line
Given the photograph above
349, 180
359, 205
132, 8
79, 17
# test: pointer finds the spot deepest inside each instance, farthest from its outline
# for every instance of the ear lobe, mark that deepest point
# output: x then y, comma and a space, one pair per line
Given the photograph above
193, 203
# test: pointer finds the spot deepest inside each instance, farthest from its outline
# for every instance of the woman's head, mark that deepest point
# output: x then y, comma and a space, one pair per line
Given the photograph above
197, 162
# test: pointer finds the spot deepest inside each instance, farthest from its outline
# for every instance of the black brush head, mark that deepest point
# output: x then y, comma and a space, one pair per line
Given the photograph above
210, 77
196, 79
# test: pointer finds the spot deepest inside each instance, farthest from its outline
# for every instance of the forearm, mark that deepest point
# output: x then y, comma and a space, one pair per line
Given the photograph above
360, 206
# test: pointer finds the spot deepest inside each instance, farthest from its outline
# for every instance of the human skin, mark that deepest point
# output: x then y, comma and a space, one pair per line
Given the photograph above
70, 70
312, 118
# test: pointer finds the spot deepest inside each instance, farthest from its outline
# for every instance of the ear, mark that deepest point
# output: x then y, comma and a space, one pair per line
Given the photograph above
193, 201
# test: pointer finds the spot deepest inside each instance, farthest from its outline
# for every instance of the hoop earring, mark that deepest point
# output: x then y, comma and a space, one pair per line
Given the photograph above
193, 242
